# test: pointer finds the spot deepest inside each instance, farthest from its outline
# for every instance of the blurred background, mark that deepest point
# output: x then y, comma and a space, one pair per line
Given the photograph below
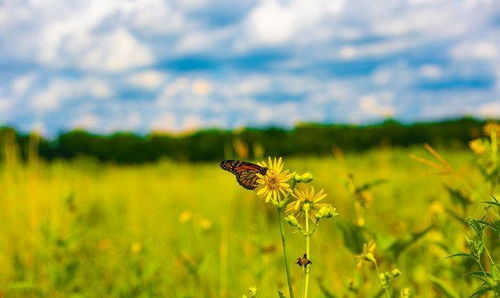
114, 116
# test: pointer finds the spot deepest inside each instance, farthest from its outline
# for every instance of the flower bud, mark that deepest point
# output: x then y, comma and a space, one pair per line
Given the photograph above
395, 272
384, 281
252, 291
326, 212
291, 220
405, 293
370, 257
307, 177
297, 178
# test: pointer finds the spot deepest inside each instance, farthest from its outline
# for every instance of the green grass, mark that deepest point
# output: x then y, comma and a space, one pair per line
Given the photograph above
90, 230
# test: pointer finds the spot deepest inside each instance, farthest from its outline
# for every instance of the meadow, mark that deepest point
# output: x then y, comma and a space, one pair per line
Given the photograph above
82, 228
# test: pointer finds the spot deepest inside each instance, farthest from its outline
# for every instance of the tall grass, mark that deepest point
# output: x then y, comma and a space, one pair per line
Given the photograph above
187, 230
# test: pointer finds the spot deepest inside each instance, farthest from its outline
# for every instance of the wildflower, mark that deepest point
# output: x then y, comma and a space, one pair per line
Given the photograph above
185, 216
136, 247
297, 178
384, 280
405, 293
292, 220
395, 272
367, 256
252, 292
307, 177
205, 224
307, 200
436, 208
478, 146
491, 128
274, 184
326, 212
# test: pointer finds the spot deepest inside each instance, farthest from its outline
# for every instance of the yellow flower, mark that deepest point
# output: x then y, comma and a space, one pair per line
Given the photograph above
367, 255
307, 200
491, 127
185, 216
478, 146
136, 247
274, 184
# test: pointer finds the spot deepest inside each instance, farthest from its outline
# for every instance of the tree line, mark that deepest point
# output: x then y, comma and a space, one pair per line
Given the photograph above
216, 144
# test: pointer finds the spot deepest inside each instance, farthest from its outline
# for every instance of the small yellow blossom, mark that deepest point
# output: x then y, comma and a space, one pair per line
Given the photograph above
274, 184
478, 146
367, 256
491, 128
136, 247
185, 216
205, 224
436, 208
307, 200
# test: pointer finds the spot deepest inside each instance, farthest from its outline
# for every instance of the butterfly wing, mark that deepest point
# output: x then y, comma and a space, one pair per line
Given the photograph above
245, 172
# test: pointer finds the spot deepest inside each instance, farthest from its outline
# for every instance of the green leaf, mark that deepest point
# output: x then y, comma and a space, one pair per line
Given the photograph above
487, 224
354, 236
401, 244
460, 254
477, 226
371, 184
458, 197
480, 273
480, 291
444, 287
281, 295
492, 203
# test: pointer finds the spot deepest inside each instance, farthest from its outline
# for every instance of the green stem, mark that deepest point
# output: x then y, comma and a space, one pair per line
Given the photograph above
308, 254
486, 277
378, 276
285, 258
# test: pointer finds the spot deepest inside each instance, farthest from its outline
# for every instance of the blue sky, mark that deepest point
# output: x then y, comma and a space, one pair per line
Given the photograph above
146, 65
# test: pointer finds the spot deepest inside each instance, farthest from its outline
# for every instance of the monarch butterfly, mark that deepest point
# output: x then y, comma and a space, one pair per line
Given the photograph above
245, 172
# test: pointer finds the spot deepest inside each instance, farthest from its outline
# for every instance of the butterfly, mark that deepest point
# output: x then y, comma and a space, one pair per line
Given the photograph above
245, 172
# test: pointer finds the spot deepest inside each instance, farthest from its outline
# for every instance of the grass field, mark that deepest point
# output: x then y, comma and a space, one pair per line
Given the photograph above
84, 229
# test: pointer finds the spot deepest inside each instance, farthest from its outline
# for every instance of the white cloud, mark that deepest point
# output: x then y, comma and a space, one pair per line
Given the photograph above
51, 97
379, 49
431, 71
150, 79
23, 84
154, 17
489, 110
163, 123
274, 22
201, 87
116, 51
87, 121
378, 105
485, 50
191, 122
5, 106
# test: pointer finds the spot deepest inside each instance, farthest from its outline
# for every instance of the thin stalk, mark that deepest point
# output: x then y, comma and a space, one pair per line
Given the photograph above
486, 277
285, 258
308, 254
378, 276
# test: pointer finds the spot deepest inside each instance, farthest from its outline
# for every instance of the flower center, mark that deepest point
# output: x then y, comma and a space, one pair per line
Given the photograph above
273, 183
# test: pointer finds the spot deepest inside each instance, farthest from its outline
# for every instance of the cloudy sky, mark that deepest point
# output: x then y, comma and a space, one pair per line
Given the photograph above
178, 65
